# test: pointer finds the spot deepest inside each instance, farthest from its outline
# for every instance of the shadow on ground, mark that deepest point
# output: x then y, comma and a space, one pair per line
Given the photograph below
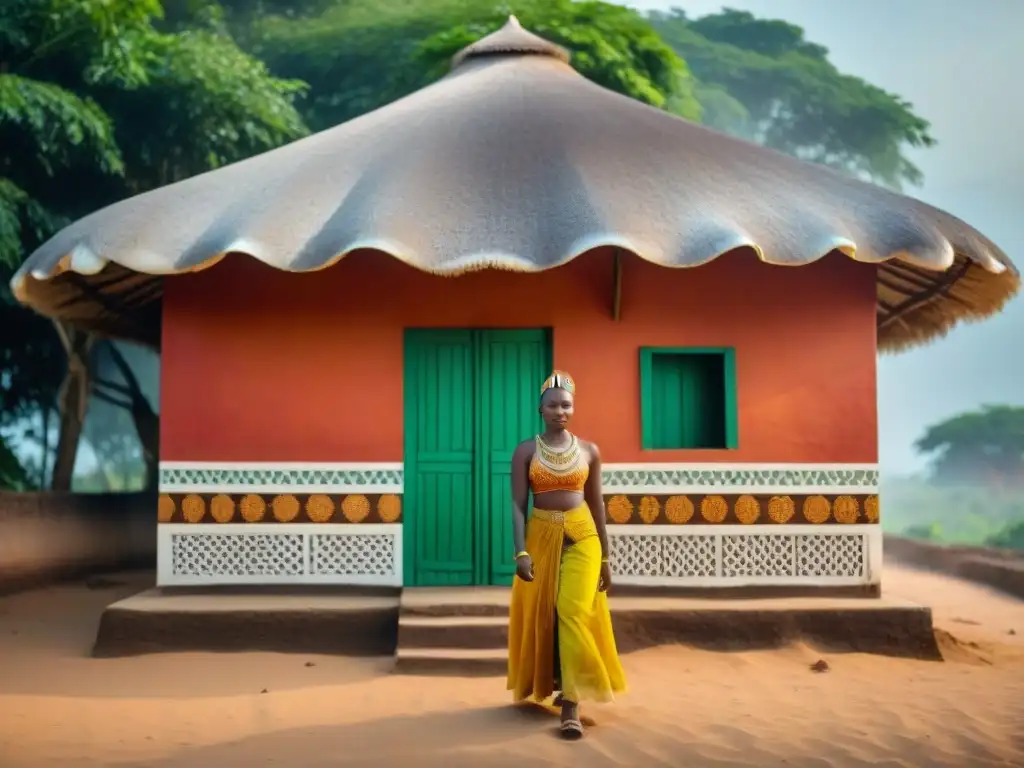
455, 739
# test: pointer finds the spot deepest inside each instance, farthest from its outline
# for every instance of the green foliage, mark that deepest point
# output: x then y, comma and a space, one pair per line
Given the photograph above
13, 476
354, 56
778, 89
99, 101
1010, 537
756, 78
924, 532
984, 446
21, 215
54, 127
77, 76
949, 514
611, 45
207, 104
358, 57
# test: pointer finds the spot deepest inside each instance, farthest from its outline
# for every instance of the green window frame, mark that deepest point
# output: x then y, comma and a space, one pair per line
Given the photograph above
678, 388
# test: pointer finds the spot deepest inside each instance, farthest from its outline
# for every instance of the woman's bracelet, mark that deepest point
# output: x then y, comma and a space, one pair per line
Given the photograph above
522, 554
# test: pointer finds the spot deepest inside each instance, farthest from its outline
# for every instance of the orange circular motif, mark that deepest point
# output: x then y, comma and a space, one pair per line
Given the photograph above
781, 509
620, 509
193, 509
678, 510
320, 508
284, 508
165, 509
816, 509
389, 508
846, 510
871, 509
714, 508
649, 509
222, 508
253, 508
748, 510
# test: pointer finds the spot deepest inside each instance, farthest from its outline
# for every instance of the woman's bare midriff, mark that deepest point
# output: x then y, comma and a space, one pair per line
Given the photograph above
558, 501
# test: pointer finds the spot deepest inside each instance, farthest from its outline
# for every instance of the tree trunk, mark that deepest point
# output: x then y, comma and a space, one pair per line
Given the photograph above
147, 423
44, 463
73, 401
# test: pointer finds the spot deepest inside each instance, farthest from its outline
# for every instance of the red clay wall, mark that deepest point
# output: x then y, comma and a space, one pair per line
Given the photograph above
260, 365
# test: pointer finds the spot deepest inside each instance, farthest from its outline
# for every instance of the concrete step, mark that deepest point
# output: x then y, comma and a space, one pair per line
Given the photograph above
452, 662
455, 601
453, 631
279, 621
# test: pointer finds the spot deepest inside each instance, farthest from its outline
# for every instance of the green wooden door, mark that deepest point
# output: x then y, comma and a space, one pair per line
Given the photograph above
470, 397
439, 528
511, 366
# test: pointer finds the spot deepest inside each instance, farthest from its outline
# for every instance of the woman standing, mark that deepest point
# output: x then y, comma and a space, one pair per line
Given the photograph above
560, 629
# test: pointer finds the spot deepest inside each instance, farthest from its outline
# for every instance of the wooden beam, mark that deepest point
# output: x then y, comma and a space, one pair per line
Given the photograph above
617, 285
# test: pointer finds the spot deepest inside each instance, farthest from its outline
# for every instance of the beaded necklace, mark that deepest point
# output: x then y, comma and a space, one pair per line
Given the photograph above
560, 462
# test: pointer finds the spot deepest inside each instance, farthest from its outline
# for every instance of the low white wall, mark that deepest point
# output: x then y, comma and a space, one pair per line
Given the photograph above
48, 536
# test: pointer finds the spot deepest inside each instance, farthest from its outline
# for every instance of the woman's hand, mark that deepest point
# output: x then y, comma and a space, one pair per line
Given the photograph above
606, 577
524, 568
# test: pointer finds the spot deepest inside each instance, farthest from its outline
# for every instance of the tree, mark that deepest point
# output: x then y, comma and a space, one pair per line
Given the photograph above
761, 80
13, 476
611, 45
96, 103
353, 55
359, 56
1010, 537
984, 446
756, 78
127, 394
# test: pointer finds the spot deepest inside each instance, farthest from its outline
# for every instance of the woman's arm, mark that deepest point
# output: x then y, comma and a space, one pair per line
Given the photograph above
520, 493
593, 494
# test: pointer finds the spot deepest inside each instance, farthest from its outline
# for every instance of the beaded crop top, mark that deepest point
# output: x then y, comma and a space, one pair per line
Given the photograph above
552, 470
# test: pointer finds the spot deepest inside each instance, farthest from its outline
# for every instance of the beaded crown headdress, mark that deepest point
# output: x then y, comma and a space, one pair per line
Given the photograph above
559, 380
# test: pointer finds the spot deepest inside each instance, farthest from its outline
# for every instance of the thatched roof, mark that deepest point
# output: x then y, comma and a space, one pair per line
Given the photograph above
516, 161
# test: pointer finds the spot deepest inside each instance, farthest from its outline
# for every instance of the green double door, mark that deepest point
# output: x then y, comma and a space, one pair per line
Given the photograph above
470, 397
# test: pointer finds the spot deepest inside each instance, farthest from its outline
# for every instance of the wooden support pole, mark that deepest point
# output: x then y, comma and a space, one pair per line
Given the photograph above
617, 285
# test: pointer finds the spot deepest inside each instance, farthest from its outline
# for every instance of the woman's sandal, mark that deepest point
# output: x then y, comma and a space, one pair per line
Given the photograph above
572, 729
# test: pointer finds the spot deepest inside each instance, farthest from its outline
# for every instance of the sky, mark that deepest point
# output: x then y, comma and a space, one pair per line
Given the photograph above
955, 61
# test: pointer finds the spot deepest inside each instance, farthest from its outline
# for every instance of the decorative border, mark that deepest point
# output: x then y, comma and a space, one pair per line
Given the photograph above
742, 556
273, 477
283, 508
745, 509
656, 478
287, 553
641, 555
647, 478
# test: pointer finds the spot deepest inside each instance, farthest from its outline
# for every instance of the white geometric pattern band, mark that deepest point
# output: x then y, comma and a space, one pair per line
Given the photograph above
651, 478
239, 553
742, 556
371, 554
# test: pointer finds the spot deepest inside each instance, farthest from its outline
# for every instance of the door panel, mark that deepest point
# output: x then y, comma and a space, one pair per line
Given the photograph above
512, 366
439, 458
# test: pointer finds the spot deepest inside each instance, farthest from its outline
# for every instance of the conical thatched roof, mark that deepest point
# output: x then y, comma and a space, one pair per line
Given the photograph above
516, 161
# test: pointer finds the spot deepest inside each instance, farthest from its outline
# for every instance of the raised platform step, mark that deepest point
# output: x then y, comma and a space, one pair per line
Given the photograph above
463, 631
356, 622
475, 620
461, 662
448, 631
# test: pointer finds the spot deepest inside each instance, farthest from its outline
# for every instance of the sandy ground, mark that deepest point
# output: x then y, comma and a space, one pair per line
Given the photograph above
58, 707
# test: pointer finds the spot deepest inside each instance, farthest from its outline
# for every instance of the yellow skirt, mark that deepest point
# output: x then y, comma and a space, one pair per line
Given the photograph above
560, 629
